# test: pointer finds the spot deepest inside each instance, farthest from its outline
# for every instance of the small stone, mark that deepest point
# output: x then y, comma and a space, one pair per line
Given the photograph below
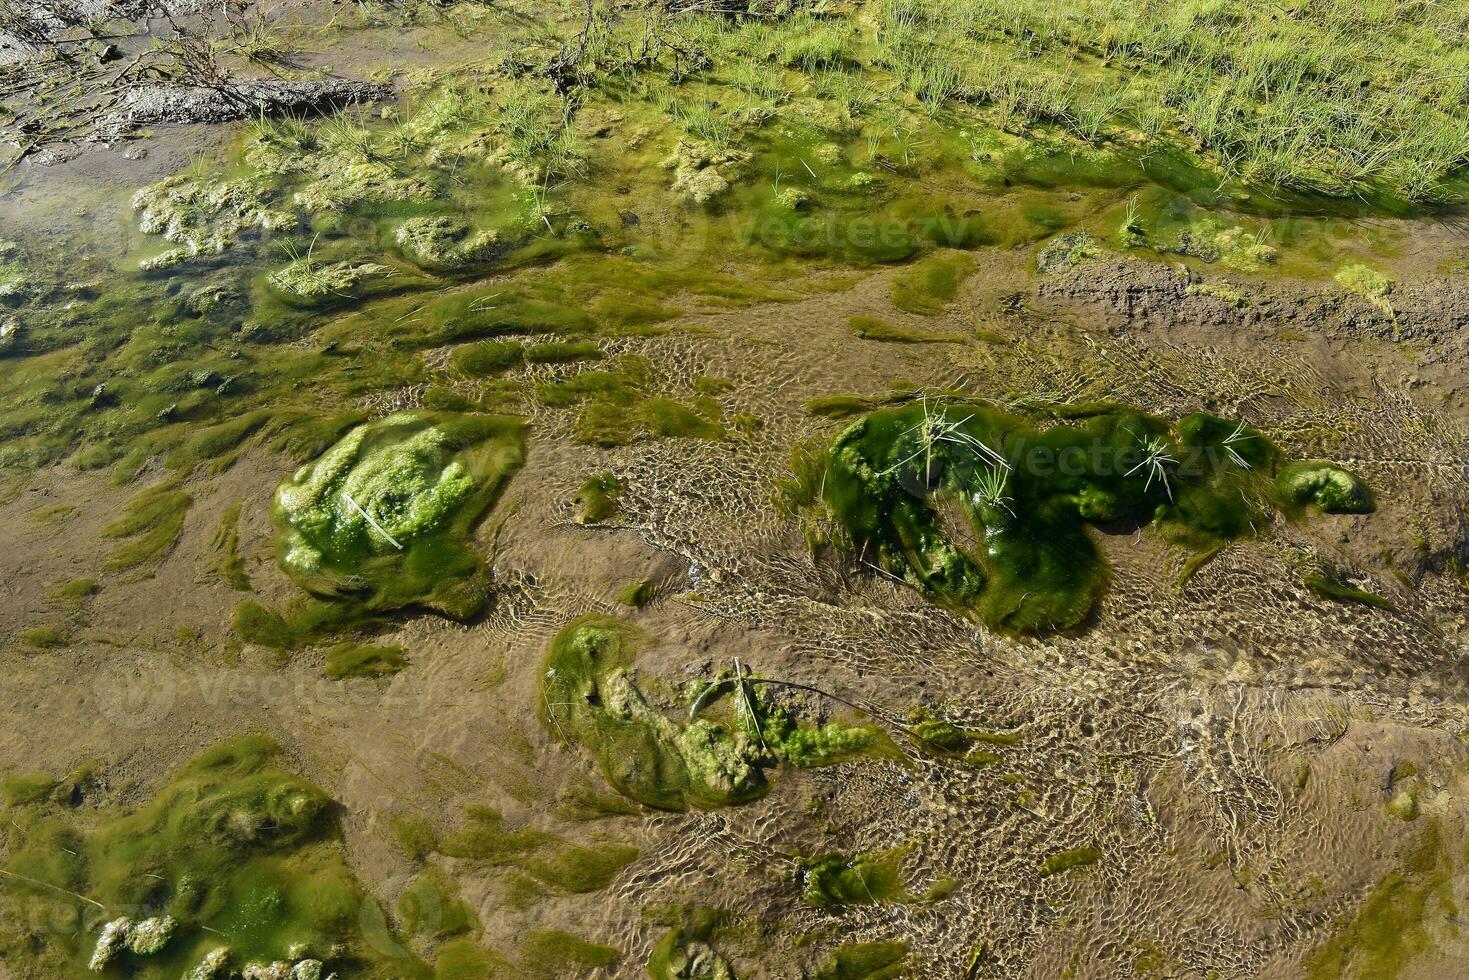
211, 966
151, 935
307, 970
114, 937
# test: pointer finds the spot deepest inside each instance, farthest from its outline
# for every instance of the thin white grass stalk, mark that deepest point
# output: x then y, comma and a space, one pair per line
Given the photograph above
368, 518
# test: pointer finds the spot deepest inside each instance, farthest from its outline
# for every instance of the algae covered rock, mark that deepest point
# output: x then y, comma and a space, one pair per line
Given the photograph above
151, 935
384, 516
444, 244
1330, 488
112, 941
702, 172
312, 284
211, 966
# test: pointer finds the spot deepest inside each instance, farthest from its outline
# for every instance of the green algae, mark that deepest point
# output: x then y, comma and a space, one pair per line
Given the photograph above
638, 594
588, 697
686, 952
1329, 582
149, 527
430, 906
44, 637
986, 512
1076, 857
383, 518
488, 358
617, 409
871, 328
563, 352
1397, 922
866, 961
1329, 488
546, 857
552, 953
226, 544
239, 852
833, 880
363, 660
931, 283
596, 499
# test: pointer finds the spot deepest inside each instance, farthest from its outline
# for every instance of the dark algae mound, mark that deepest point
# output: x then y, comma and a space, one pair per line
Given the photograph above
986, 512
589, 698
384, 516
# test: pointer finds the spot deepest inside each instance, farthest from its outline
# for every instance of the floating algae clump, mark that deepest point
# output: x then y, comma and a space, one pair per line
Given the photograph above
385, 514
986, 512
588, 696
232, 853
1329, 488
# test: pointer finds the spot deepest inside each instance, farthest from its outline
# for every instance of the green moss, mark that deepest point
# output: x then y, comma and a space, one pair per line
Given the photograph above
931, 283
871, 328
149, 528
866, 961
1397, 922
1329, 488
985, 512
1061, 861
363, 660
869, 878
596, 499
383, 518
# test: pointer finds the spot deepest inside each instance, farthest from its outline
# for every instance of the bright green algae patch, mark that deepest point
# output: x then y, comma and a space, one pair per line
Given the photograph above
986, 512
589, 697
239, 852
385, 515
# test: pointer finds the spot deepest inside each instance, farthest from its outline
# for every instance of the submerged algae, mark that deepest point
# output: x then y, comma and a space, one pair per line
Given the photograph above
236, 851
986, 512
385, 515
589, 697
869, 878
